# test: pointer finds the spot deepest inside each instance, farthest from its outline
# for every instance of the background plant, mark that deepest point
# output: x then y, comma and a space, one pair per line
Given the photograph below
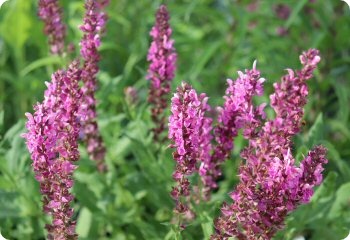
214, 39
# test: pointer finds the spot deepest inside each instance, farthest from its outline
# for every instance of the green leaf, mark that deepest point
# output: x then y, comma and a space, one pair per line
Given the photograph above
85, 196
316, 132
147, 230
16, 152
207, 228
14, 131
8, 206
205, 57
335, 157
339, 126
40, 63
343, 99
342, 201
84, 222
2, 113
93, 181
130, 65
16, 24
294, 15
326, 189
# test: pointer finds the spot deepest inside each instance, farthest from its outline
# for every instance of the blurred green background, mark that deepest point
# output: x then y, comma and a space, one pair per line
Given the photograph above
214, 39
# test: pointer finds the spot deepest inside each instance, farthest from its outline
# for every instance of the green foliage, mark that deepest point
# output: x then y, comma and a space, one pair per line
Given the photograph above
214, 39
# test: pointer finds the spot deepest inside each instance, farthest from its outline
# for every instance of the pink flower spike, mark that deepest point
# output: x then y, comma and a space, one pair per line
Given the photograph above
161, 71
94, 23
271, 185
189, 131
238, 112
52, 140
50, 12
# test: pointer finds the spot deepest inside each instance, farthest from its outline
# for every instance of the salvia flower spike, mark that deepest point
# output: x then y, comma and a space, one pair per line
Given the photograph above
271, 185
94, 23
189, 131
50, 13
52, 136
162, 58
234, 115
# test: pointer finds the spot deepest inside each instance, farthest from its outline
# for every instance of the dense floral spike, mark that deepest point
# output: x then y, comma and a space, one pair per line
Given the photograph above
189, 130
270, 184
162, 58
51, 13
53, 132
291, 93
237, 112
94, 23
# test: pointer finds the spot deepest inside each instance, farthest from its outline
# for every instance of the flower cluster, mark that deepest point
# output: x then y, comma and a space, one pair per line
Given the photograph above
52, 136
94, 23
271, 185
189, 130
291, 93
162, 58
237, 112
50, 12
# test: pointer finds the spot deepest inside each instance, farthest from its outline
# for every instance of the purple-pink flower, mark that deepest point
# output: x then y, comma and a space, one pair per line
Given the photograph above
238, 111
162, 58
94, 23
271, 185
52, 137
189, 131
290, 95
50, 12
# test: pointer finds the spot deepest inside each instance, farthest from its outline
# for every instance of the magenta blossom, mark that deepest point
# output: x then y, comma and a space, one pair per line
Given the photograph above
189, 131
51, 13
94, 23
237, 112
52, 137
271, 185
162, 58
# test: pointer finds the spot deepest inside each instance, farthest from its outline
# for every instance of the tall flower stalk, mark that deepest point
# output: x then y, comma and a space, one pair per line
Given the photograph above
234, 115
94, 23
162, 58
50, 13
189, 131
52, 137
271, 185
